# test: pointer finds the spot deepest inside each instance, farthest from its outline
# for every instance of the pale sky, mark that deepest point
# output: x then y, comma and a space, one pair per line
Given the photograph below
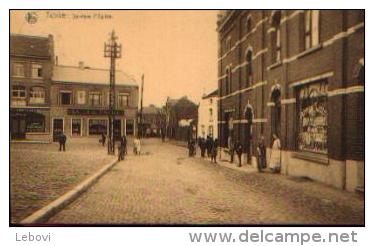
176, 50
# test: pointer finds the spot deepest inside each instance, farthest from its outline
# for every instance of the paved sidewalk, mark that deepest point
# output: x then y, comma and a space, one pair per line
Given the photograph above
40, 173
165, 186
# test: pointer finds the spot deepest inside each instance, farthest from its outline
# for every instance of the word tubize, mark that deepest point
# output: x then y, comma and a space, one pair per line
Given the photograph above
33, 238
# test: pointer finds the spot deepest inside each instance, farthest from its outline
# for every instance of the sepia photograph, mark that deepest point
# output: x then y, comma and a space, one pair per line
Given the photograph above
250, 117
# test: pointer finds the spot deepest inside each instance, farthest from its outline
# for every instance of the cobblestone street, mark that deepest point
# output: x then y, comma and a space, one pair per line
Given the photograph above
40, 173
164, 186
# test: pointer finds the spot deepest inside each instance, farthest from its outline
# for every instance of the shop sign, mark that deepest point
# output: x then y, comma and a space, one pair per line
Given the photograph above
72, 111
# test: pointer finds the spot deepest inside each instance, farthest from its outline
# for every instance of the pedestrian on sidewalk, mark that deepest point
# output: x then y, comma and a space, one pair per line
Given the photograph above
209, 144
62, 141
261, 154
214, 150
231, 149
202, 147
275, 158
137, 146
191, 147
239, 152
103, 138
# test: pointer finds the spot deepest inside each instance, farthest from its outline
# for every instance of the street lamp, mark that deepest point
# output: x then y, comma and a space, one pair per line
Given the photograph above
112, 50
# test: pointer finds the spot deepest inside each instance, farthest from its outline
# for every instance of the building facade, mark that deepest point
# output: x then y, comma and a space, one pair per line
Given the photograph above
153, 122
80, 102
31, 63
207, 116
181, 119
298, 74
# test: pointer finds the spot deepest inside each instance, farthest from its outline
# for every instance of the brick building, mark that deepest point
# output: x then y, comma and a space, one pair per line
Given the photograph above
80, 102
31, 62
298, 74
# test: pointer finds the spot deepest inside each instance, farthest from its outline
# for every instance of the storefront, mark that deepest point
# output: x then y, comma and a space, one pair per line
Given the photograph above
29, 123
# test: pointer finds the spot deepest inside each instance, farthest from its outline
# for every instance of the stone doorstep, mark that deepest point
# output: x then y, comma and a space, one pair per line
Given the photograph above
44, 213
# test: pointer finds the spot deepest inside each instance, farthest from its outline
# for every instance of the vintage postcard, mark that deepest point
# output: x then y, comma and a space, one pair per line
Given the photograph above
187, 117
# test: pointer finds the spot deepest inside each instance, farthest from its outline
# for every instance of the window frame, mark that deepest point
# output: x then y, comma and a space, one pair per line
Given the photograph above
120, 101
91, 98
35, 94
71, 97
21, 65
79, 92
311, 29
38, 66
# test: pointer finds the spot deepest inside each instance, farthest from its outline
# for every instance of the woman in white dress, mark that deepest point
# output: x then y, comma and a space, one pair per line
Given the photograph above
275, 158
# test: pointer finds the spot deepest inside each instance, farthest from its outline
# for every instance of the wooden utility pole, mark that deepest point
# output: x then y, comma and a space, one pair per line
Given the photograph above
112, 50
141, 109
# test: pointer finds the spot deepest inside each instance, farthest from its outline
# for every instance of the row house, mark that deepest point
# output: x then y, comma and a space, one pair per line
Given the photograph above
298, 74
31, 63
80, 102
207, 116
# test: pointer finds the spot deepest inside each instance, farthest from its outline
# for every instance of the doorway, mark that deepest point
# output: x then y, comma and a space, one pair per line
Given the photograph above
117, 127
58, 128
248, 133
18, 127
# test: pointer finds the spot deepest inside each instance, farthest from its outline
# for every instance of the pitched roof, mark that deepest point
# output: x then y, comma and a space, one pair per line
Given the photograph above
25, 45
88, 75
212, 94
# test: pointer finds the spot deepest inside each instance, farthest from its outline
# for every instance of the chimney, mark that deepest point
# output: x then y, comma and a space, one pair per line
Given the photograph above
56, 62
81, 64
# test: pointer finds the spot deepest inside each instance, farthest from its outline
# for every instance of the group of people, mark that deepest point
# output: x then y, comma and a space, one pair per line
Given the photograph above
208, 145
122, 148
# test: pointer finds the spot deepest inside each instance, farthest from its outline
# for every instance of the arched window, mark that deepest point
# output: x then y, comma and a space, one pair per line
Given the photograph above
249, 24
37, 95
275, 36
249, 71
311, 28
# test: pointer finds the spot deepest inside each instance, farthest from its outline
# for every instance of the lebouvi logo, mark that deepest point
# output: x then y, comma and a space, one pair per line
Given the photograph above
31, 17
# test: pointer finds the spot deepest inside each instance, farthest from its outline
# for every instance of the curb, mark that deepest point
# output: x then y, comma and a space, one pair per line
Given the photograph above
57, 205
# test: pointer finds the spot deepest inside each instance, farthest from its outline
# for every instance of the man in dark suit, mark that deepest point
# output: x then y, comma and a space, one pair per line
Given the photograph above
62, 141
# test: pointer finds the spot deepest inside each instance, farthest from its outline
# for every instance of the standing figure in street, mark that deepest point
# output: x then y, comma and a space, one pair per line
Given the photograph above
261, 154
239, 152
62, 141
121, 150
231, 149
103, 138
209, 144
191, 147
202, 147
163, 134
124, 140
214, 150
275, 158
137, 146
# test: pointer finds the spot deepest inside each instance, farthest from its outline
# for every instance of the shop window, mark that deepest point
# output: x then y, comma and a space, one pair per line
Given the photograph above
311, 28
130, 127
35, 122
18, 96
76, 126
65, 97
19, 69
275, 37
81, 97
312, 117
37, 95
249, 68
95, 98
36, 70
97, 127
123, 99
